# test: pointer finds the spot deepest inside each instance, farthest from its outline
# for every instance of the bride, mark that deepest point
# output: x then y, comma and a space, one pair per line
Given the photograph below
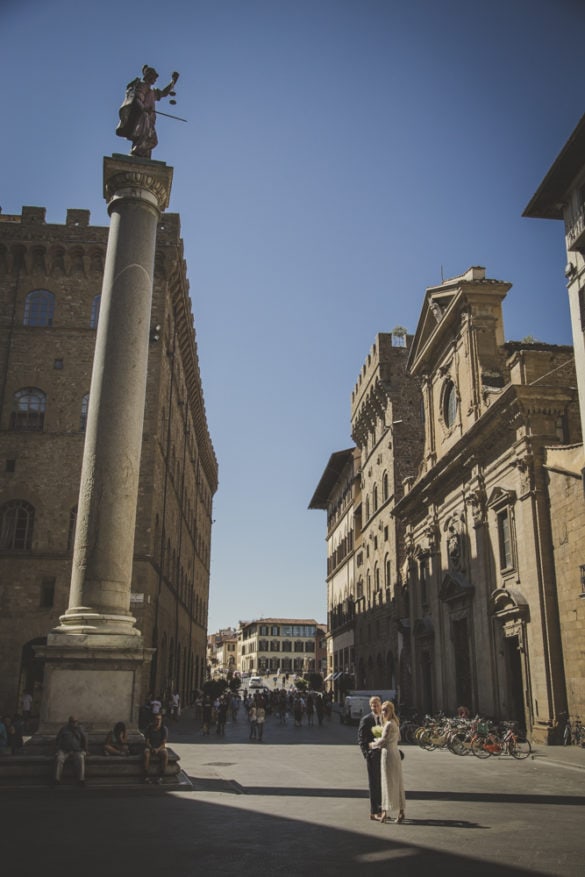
393, 797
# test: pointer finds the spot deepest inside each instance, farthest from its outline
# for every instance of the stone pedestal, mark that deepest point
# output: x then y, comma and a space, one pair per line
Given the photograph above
98, 680
95, 658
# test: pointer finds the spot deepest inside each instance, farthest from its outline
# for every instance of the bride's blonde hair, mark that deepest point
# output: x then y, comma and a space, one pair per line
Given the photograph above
388, 707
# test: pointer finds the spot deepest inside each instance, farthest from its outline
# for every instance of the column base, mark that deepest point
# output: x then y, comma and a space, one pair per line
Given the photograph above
95, 677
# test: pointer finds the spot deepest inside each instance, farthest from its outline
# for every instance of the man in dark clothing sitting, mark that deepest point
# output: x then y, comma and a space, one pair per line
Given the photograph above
155, 738
71, 743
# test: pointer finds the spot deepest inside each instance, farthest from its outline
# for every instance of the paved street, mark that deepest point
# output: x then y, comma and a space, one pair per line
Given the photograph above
296, 804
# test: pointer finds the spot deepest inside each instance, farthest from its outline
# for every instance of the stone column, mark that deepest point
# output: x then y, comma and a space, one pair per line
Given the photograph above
94, 659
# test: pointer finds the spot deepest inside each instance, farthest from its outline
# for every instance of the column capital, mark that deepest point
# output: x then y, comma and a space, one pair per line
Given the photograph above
134, 176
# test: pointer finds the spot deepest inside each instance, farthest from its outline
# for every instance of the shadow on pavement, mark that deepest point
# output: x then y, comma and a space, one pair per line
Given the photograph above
413, 794
152, 834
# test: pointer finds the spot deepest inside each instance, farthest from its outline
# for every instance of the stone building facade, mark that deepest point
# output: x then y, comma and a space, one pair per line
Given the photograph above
387, 428
483, 617
50, 286
565, 488
561, 196
338, 493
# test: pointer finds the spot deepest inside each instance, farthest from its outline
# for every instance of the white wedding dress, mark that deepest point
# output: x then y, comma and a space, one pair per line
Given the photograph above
393, 797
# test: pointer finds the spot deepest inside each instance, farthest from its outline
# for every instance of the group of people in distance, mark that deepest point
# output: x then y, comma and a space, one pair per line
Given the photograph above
72, 743
383, 761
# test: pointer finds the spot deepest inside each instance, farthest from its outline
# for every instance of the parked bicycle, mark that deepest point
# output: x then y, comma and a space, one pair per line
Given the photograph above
574, 732
506, 739
478, 736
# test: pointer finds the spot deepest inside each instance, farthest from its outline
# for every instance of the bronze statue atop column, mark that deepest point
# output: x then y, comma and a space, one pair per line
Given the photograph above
137, 113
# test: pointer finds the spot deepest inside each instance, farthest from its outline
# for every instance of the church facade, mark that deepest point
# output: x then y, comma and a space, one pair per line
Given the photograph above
483, 621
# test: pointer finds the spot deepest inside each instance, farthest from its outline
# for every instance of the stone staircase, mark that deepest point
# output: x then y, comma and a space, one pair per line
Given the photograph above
33, 767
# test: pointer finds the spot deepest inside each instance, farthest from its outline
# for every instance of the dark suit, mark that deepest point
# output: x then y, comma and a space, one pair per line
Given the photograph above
372, 756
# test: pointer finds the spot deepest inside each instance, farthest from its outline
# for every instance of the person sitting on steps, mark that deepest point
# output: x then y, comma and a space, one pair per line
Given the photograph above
117, 741
71, 743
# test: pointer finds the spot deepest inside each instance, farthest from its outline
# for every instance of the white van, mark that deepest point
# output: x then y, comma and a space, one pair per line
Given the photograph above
256, 682
357, 704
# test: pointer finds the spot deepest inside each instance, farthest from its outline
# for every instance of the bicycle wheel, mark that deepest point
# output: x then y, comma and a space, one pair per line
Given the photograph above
408, 730
520, 748
419, 733
478, 747
458, 744
425, 740
495, 744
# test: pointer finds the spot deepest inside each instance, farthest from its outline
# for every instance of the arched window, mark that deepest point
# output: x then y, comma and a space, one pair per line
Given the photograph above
16, 525
95, 311
83, 416
375, 497
385, 486
39, 306
28, 411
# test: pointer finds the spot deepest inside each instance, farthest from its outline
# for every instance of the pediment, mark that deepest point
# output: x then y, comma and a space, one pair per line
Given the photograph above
455, 586
440, 315
501, 497
435, 306
509, 602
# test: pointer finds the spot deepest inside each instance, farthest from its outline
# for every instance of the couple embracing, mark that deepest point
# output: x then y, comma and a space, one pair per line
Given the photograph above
383, 760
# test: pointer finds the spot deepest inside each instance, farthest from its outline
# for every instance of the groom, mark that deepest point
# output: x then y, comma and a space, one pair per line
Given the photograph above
372, 756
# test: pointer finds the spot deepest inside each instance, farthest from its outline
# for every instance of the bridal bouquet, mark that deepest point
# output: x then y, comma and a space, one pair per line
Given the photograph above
377, 730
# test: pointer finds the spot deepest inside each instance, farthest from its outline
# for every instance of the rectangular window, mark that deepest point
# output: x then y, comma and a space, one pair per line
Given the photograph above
47, 593
505, 539
423, 582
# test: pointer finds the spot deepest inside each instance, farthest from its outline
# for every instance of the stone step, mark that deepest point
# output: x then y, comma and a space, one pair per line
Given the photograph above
28, 769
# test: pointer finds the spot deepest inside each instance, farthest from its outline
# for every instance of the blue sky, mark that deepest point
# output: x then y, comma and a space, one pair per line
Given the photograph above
340, 156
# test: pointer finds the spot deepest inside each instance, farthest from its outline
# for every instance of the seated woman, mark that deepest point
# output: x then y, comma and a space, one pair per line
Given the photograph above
117, 741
